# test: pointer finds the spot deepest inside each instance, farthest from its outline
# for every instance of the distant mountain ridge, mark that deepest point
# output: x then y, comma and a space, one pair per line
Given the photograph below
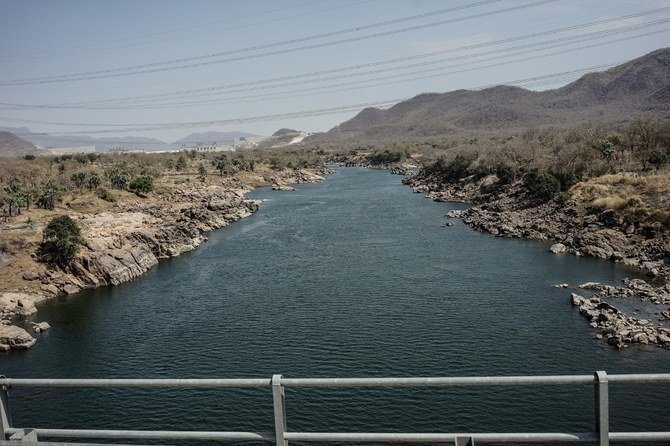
12, 145
640, 87
128, 142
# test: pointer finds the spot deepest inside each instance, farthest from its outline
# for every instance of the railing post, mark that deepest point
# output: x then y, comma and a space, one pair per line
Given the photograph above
279, 404
464, 441
5, 416
602, 409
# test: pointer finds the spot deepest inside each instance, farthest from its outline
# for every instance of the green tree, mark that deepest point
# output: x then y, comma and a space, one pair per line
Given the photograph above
78, 179
94, 181
48, 195
61, 241
221, 163
202, 172
659, 158
180, 164
118, 176
141, 185
541, 186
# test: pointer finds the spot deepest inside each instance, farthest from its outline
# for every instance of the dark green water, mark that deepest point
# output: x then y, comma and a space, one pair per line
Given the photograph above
354, 276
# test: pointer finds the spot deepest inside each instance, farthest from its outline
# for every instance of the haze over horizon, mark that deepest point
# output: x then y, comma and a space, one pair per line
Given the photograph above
306, 64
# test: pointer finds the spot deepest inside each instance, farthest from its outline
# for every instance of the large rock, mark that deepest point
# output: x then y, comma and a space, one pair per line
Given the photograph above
558, 248
16, 337
604, 243
41, 326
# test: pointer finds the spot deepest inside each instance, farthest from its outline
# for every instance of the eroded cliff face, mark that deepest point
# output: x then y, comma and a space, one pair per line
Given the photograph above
124, 244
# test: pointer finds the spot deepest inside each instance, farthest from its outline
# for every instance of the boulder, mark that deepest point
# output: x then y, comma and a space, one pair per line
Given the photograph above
41, 326
282, 187
25, 307
16, 337
70, 289
558, 248
30, 275
50, 289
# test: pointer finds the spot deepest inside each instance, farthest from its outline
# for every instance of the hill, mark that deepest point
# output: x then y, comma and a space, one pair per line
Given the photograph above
12, 145
640, 87
101, 144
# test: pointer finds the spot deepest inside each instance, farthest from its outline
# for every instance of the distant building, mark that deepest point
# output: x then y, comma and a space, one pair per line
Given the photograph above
248, 142
208, 147
124, 150
70, 150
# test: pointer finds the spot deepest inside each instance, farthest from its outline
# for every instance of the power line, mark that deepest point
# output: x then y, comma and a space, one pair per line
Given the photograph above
170, 31
542, 46
340, 109
140, 69
245, 25
260, 84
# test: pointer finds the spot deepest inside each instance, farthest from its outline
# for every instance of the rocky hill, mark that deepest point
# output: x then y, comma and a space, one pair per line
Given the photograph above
12, 145
637, 88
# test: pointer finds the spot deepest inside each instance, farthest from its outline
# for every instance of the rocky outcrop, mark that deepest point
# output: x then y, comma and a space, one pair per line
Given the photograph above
619, 329
13, 337
123, 245
633, 288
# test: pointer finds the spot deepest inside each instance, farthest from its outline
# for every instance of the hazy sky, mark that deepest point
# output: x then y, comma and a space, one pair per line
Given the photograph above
43, 39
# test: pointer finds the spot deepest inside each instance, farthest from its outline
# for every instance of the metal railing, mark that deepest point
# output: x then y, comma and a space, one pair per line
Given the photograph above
281, 436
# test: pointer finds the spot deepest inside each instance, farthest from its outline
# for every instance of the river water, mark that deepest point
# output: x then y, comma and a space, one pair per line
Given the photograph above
355, 276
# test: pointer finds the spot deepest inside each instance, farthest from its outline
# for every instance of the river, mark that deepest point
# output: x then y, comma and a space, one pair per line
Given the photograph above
355, 276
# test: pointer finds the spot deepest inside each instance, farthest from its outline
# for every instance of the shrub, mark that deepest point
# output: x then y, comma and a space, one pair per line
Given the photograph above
78, 179
105, 194
29, 157
505, 173
94, 181
61, 240
141, 185
659, 158
386, 157
180, 164
541, 186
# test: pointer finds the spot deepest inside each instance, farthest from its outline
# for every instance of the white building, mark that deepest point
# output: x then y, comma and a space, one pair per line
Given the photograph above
70, 150
208, 147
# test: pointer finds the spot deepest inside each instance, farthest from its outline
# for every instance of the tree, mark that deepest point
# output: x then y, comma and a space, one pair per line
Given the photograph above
181, 164
221, 163
141, 185
61, 240
14, 198
78, 179
202, 172
118, 176
48, 195
94, 181
542, 186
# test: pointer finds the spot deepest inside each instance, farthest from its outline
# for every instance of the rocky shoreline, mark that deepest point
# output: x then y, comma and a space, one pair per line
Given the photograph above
505, 211
122, 245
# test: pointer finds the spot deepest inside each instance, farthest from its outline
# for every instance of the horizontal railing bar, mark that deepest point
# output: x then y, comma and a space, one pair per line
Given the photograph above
439, 437
147, 435
438, 381
144, 383
640, 378
339, 437
477, 437
339, 382
62, 443
640, 436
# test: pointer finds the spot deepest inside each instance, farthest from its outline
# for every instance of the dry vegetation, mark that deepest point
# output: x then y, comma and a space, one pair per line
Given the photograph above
35, 189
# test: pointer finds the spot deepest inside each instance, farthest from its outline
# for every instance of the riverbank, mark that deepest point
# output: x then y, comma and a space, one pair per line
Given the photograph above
123, 239
597, 218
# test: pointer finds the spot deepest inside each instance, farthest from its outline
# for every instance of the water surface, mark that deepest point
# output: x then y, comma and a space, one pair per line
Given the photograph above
355, 276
